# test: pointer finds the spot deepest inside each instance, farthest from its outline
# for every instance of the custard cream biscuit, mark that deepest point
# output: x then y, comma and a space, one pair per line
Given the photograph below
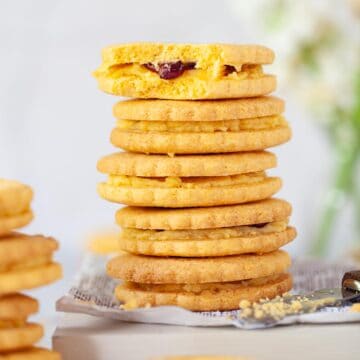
198, 111
20, 336
167, 270
32, 353
16, 307
141, 165
203, 297
29, 275
267, 231
259, 212
15, 199
17, 250
182, 127
185, 71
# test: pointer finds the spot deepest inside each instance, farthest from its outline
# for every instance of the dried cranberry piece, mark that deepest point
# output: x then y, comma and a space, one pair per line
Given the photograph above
260, 225
228, 69
170, 70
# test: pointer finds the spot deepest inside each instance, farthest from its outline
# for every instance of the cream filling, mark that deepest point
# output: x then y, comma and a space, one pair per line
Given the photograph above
136, 70
186, 183
209, 287
260, 123
203, 234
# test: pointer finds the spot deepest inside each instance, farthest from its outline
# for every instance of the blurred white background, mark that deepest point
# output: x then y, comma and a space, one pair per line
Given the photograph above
55, 124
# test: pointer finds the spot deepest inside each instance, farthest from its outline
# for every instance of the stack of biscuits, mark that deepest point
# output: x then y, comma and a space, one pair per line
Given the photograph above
201, 229
25, 263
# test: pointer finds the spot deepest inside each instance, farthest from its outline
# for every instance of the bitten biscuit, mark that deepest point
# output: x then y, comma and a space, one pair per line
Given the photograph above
16, 338
185, 71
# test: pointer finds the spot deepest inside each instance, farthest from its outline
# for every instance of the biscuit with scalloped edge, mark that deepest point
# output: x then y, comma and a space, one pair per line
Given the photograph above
199, 143
218, 297
29, 277
135, 164
177, 197
15, 338
33, 353
255, 243
17, 306
167, 270
204, 218
206, 110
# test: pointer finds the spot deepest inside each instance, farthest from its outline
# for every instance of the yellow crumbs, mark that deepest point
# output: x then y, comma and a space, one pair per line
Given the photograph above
186, 183
280, 307
260, 123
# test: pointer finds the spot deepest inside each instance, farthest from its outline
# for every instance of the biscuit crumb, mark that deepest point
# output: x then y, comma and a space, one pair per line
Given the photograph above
282, 306
244, 304
129, 305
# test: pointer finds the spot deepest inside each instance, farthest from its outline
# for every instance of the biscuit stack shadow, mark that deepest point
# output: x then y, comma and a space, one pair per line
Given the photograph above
25, 263
201, 230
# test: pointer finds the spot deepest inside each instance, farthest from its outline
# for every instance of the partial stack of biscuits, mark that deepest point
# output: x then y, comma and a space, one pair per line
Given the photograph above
25, 263
201, 229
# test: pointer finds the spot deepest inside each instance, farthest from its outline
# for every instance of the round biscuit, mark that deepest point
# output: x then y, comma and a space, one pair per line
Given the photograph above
17, 247
134, 164
199, 143
258, 244
202, 110
33, 353
180, 197
15, 197
16, 338
17, 306
204, 218
192, 89
221, 300
29, 278
160, 270
13, 222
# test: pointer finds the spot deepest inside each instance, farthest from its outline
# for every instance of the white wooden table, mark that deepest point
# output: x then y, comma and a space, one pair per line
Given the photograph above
83, 337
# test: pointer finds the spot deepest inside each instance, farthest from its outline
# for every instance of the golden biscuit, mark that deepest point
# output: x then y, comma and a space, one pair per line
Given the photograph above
32, 353
185, 71
134, 164
8, 223
206, 110
17, 306
16, 248
159, 270
204, 218
207, 244
37, 273
202, 142
208, 297
15, 338
15, 198
189, 192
